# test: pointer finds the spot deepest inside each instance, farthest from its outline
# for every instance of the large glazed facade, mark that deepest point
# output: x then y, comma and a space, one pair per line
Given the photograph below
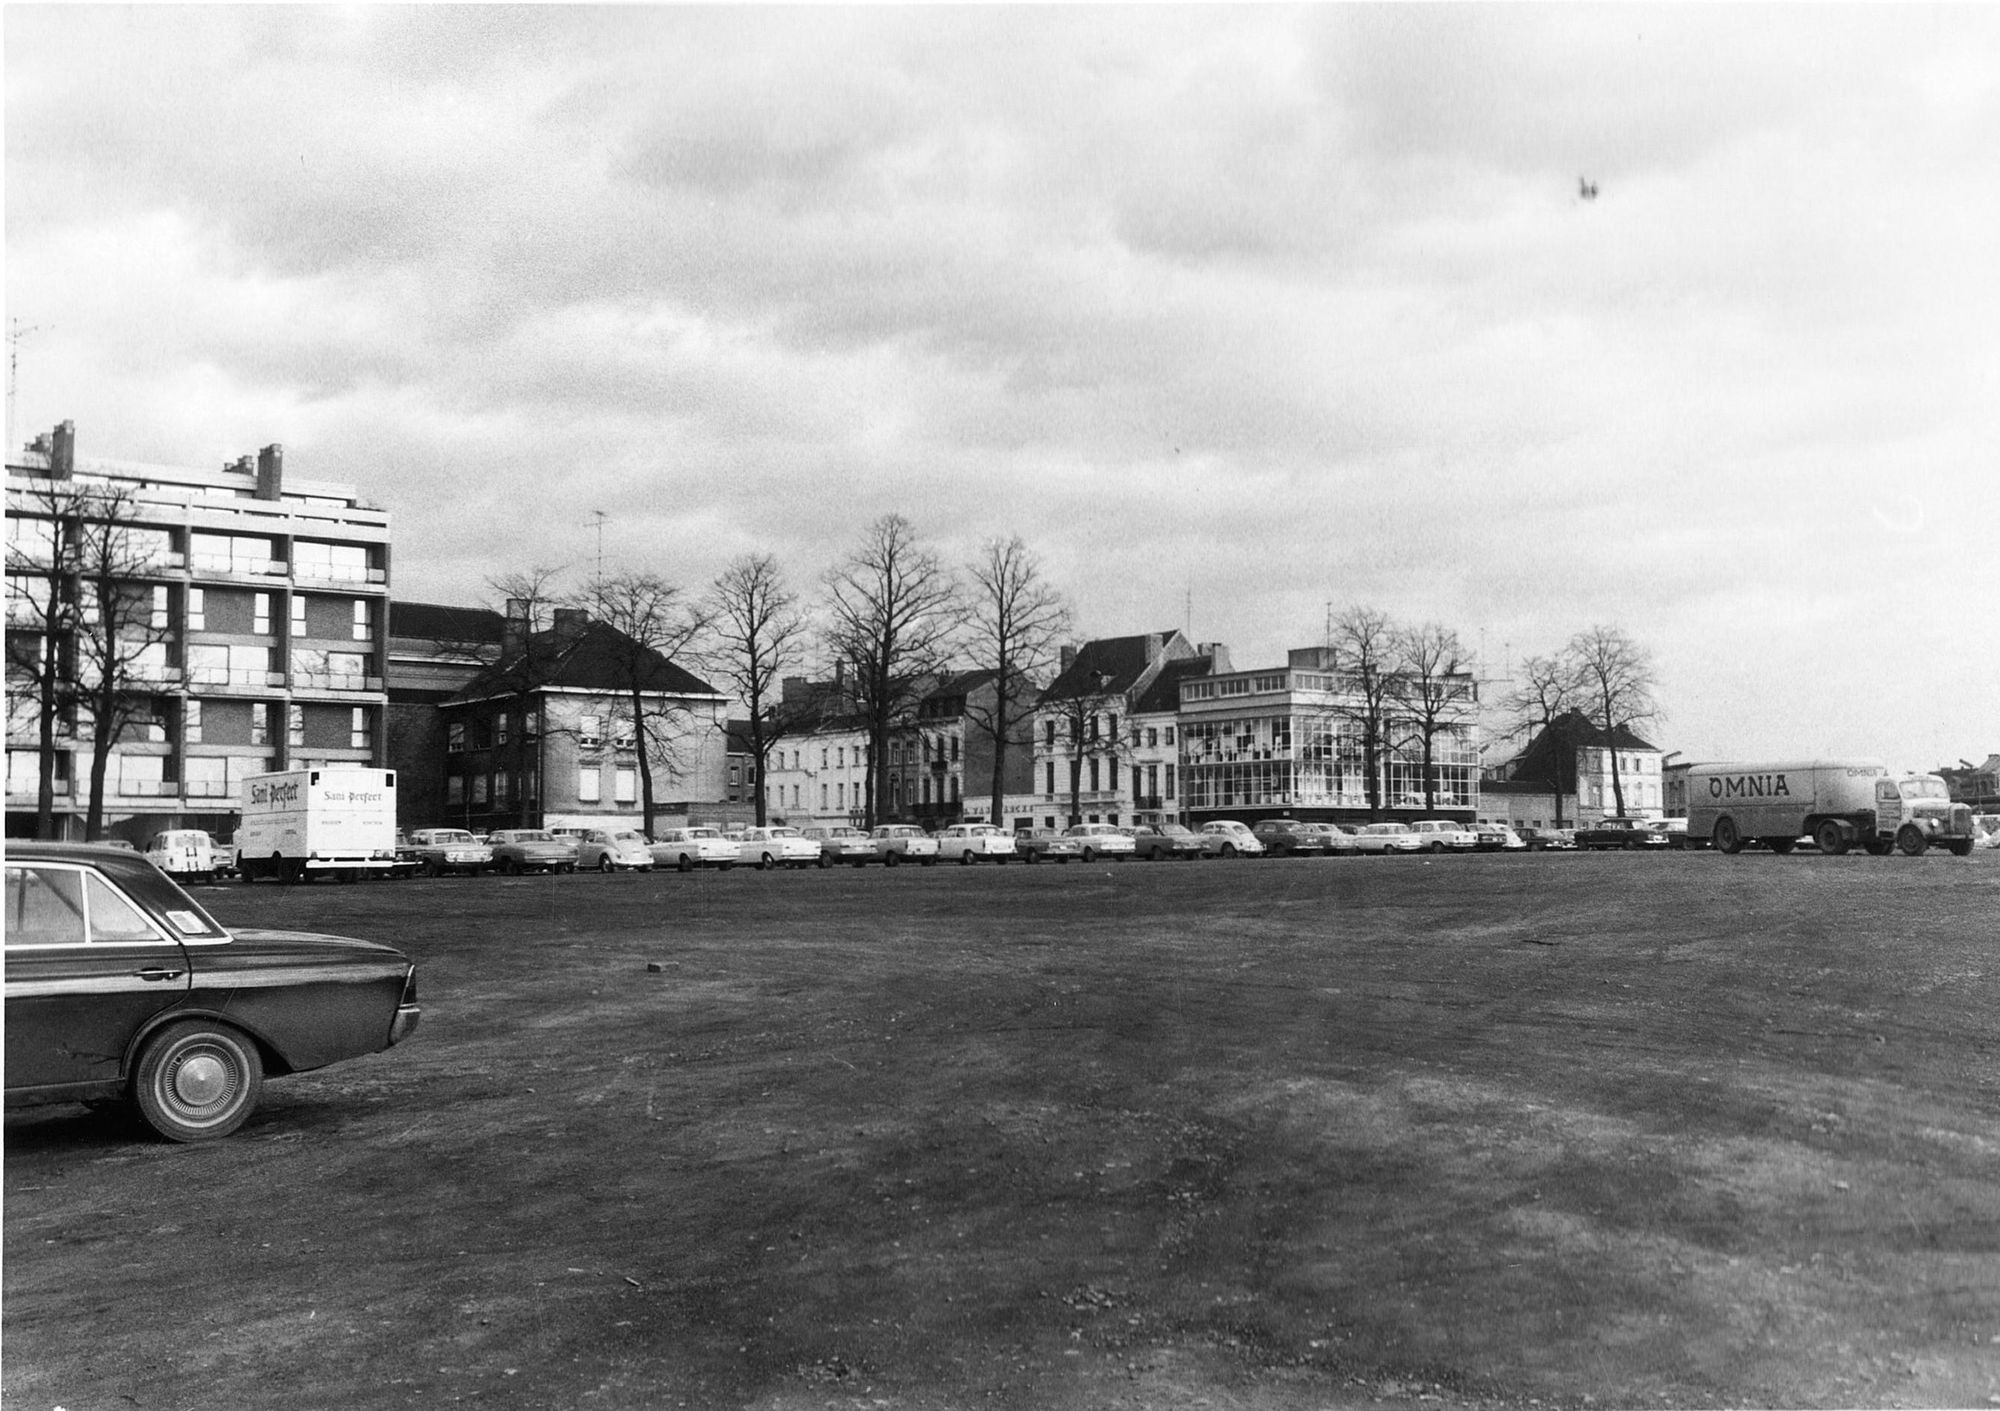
261, 647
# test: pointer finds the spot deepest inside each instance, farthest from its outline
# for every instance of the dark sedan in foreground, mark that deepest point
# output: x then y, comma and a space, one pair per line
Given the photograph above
120, 987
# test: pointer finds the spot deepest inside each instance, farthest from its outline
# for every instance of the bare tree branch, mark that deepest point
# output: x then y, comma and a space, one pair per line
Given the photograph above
759, 635
1615, 675
1016, 621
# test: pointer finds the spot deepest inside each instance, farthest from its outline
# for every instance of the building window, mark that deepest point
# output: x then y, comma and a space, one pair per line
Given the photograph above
205, 777
625, 785
822, 798
260, 722
589, 785
822, 757
840, 755
1051, 790
590, 731
358, 735
501, 784
1170, 734
191, 722
364, 625
299, 627
295, 725
479, 786
454, 789
624, 735
454, 737
197, 616
160, 621
500, 728
1170, 781
1093, 776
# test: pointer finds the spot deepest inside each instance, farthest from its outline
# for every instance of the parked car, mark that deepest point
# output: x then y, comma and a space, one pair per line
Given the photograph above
1619, 833
1095, 840
840, 843
1443, 835
775, 845
1339, 840
1548, 839
184, 854
967, 843
1510, 841
904, 842
120, 987
1289, 837
1154, 841
441, 850
1225, 837
685, 849
518, 850
1387, 838
614, 850
1675, 830
1047, 847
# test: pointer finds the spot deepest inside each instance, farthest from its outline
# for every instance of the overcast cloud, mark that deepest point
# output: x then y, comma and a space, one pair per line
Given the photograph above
1247, 311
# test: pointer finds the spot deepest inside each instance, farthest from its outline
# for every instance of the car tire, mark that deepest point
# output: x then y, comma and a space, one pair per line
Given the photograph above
511, 867
1229, 850
1090, 854
685, 864
605, 865
1032, 857
1911, 841
965, 858
891, 858
196, 1081
824, 862
766, 863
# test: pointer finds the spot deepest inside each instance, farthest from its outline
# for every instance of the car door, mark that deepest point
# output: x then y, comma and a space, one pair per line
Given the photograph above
86, 970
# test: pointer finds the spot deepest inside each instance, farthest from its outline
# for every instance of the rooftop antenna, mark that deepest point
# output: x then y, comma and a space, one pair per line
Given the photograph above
599, 516
15, 333
1187, 611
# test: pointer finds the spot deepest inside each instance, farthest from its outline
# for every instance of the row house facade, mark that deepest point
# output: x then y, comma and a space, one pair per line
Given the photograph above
939, 765
261, 643
1291, 741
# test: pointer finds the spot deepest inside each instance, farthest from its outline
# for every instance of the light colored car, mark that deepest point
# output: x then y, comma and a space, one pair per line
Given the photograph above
1443, 835
1510, 841
1387, 838
775, 845
904, 842
1095, 840
1339, 840
685, 849
442, 850
1225, 837
840, 843
518, 850
613, 850
1675, 830
184, 854
967, 843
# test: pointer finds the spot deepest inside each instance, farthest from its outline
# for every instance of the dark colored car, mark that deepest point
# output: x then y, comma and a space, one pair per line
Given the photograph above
518, 850
1548, 839
1617, 833
1169, 841
121, 988
1047, 847
1288, 837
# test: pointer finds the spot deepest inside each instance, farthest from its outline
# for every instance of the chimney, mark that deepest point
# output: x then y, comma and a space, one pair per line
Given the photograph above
1218, 656
514, 632
270, 472
569, 626
242, 465
62, 451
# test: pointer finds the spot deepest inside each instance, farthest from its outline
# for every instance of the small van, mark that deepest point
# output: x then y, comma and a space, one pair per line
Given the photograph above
184, 854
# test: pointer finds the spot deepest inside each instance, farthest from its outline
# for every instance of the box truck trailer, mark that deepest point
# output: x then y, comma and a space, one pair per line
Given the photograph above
304, 822
1838, 803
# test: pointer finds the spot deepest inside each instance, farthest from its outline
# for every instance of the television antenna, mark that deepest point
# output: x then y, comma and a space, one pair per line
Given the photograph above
15, 333
599, 517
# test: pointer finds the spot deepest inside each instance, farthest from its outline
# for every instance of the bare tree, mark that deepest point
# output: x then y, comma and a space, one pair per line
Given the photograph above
1615, 675
759, 635
893, 614
653, 624
122, 628
1081, 705
1432, 690
1364, 642
1016, 619
42, 611
1548, 692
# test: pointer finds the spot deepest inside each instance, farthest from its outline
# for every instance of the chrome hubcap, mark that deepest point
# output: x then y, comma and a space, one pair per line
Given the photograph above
201, 1079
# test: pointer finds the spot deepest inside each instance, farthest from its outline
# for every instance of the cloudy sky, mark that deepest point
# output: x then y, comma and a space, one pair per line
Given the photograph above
1234, 314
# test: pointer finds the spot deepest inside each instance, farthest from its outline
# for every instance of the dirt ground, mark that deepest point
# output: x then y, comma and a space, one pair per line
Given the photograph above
1559, 1131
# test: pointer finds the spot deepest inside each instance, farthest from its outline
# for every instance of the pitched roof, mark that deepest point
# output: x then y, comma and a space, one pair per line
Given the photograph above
594, 657
1107, 666
1562, 737
1163, 694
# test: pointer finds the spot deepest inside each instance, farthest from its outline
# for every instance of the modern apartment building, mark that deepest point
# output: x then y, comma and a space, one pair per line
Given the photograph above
249, 633
1292, 741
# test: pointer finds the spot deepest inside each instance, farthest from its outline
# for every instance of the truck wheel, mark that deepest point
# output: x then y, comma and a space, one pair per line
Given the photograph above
1830, 839
1912, 840
1727, 839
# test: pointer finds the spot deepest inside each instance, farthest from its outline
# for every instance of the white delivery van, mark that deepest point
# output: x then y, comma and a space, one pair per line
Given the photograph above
302, 822
184, 854
1838, 803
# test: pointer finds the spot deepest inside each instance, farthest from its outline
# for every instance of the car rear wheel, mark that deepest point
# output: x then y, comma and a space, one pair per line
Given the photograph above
765, 863
1090, 854
1229, 849
891, 858
606, 865
685, 864
965, 858
197, 1081
1032, 856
